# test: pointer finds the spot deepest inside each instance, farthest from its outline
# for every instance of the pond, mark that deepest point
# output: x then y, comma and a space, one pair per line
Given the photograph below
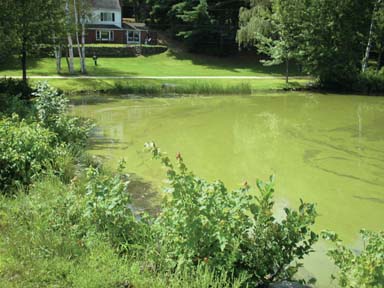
327, 149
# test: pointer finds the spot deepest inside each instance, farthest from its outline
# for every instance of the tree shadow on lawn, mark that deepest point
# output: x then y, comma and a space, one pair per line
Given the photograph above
102, 69
13, 63
39, 66
235, 63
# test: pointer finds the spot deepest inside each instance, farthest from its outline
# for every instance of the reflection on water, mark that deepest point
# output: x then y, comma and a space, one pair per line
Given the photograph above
325, 149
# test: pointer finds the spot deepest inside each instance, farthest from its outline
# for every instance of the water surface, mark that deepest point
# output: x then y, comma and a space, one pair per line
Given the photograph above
327, 149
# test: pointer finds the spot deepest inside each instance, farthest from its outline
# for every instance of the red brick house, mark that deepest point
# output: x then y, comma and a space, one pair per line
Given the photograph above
107, 26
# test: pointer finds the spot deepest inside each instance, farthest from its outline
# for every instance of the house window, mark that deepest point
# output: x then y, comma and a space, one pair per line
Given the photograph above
104, 35
133, 37
107, 17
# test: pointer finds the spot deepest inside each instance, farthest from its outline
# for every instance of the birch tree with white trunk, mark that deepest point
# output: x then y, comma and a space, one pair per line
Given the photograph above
371, 36
79, 51
70, 61
84, 15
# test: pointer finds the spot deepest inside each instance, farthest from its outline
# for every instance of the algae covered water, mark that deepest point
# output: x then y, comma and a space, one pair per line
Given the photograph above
327, 149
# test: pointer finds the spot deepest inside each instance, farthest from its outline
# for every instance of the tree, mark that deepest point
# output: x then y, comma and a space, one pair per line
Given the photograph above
379, 36
371, 35
68, 27
80, 11
140, 8
205, 26
326, 37
57, 18
334, 36
27, 25
273, 27
161, 15
6, 30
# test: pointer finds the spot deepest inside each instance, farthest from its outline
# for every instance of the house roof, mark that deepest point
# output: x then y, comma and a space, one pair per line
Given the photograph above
106, 4
135, 26
103, 26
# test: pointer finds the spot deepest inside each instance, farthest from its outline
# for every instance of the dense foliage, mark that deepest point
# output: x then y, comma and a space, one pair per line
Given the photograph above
231, 230
205, 26
327, 38
37, 144
51, 107
109, 208
365, 269
26, 150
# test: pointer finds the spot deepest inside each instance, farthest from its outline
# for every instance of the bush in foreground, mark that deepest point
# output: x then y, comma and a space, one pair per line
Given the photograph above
359, 270
204, 223
26, 151
51, 108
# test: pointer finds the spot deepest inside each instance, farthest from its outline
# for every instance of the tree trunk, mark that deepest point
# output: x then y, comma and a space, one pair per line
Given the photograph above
70, 52
287, 71
24, 59
79, 50
24, 40
58, 58
83, 66
57, 51
66, 58
379, 59
369, 44
69, 37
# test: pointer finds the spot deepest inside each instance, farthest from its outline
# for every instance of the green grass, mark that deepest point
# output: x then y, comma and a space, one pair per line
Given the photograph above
40, 248
166, 64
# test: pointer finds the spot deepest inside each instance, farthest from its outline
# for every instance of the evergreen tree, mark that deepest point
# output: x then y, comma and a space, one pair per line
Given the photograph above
206, 26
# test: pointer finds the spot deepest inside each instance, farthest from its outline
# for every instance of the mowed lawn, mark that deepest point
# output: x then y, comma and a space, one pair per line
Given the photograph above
165, 64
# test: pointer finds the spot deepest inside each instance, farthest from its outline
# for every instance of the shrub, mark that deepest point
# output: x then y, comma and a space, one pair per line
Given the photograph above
369, 83
49, 103
230, 230
13, 104
51, 107
13, 95
26, 150
14, 87
361, 270
109, 208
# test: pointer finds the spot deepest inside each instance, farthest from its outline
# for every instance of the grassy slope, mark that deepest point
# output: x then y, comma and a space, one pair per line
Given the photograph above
166, 64
38, 248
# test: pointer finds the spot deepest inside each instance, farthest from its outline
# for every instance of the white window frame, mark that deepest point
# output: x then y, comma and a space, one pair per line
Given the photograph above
99, 36
107, 17
132, 39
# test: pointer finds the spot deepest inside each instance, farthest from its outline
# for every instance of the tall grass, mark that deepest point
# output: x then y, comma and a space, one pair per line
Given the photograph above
190, 88
40, 246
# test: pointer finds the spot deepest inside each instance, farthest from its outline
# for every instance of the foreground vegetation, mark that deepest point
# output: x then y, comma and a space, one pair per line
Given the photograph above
66, 221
